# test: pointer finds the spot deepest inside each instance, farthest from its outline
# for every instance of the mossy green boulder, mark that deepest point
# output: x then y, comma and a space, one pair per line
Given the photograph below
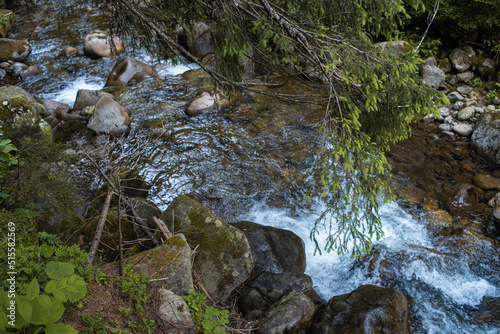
20, 114
223, 256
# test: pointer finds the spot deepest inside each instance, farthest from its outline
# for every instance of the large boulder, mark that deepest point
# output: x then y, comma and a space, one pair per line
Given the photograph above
109, 118
201, 42
88, 98
169, 263
267, 288
486, 136
461, 58
433, 76
128, 69
368, 309
274, 250
99, 44
223, 255
15, 50
292, 314
20, 114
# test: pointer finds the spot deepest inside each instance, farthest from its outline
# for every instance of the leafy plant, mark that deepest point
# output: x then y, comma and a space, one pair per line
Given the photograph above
41, 310
208, 319
49, 239
94, 325
492, 93
7, 158
135, 285
475, 82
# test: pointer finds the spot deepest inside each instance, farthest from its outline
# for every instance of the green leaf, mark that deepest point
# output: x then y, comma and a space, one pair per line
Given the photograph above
46, 251
51, 286
43, 316
25, 309
33, 289
44, 301
60, 295
60, 329
59, 270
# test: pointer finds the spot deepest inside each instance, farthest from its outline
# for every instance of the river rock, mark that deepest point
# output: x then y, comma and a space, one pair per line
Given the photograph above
175, 312
463, 199
16, 68
445, 65
109, 118
54, 108
368, 309
445, 127
128, 69
486, 136
463, 129
170, 263
29, 72
485, 66
465, 76
87, 98
292, 314
98, 44
433, 76
20, 114
487, 182
466, 113
223, 256
454, 97
7, 17
452, 80
461, 58
267, 288
464, 90
15, 50
207, 102
201, 42
274, 250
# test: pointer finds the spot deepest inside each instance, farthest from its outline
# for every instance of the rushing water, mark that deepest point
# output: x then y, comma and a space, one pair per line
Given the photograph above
254, 162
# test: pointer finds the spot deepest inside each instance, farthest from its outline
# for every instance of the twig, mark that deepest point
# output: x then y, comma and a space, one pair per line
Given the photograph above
163, 228
98, 231
430, 19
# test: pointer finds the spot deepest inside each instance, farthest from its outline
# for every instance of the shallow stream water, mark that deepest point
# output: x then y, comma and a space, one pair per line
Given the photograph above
255, 162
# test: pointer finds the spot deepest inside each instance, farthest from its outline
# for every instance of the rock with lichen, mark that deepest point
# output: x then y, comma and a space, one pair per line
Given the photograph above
223, 256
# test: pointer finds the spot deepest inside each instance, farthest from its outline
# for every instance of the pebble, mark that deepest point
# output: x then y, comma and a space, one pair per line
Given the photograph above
464, 90
463, 129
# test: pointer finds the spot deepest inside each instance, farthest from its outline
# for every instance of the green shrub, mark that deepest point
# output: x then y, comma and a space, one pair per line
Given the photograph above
208, 319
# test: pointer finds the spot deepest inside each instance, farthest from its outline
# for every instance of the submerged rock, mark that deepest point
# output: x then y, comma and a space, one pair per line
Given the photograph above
368, 309
223, 255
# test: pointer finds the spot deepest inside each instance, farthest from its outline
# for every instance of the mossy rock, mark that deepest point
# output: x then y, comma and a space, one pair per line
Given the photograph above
169, 263
223, 256
64, 223
20, 114
7, 19
13, 49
